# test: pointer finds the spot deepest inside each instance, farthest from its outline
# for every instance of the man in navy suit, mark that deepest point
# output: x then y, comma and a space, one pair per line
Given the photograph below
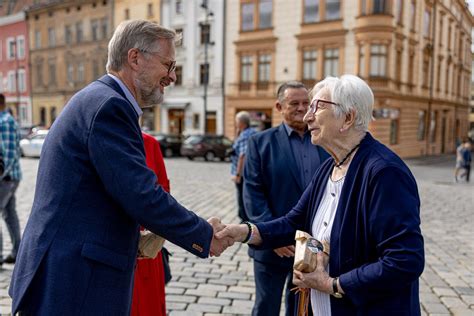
280, 164
94, 189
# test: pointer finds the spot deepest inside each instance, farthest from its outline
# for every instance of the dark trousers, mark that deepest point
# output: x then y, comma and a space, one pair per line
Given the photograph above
269, 283
9, 214
468, 172
240, 200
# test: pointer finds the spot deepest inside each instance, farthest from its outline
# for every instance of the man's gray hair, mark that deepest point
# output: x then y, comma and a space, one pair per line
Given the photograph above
288, 85
350, 93
243, 117
139, 34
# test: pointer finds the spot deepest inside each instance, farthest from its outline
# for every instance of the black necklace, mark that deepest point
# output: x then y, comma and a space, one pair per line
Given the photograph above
338, 165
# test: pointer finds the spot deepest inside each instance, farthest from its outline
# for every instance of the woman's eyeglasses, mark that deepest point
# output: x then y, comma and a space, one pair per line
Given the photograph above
318, 103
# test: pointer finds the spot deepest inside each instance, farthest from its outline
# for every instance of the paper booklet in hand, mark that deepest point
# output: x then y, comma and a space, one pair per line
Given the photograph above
149, 244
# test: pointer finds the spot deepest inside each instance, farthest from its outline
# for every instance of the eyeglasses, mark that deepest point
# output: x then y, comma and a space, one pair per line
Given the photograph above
318, 103
172, 63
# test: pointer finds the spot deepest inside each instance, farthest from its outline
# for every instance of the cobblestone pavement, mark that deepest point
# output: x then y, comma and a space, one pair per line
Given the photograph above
225, 285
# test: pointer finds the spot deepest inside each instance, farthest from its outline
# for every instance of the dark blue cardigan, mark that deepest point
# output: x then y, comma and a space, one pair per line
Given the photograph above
376, 243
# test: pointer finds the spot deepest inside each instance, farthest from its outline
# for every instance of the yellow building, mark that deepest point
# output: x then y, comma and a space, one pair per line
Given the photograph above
415, 54
68, 50
146, 10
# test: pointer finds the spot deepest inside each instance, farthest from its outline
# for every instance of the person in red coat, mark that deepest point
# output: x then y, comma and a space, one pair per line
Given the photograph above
149, 286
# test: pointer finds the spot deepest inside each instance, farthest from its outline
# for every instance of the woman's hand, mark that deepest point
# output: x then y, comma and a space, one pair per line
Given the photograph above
319, 279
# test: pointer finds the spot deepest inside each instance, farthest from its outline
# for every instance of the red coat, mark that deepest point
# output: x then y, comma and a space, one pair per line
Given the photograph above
149, 286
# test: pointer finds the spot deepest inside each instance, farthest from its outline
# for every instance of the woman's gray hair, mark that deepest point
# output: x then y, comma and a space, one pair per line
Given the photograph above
140, 34
243, 117
350, 93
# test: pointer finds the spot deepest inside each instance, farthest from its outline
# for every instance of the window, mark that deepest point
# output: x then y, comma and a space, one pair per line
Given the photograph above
426, 23
413, 15
331, 62
363, 7
42, 116
246, 72
256, 14
264, 62
196, 120
70, 73
39, 74
394, 131
180, 35
449, 36
247, 16
380, 7
79, 33
52, 73
361, 61
179, 75
80, 72
52, 114
37, 39
105, 27
438, 77
434, 116
265, 14
399, 11
398, 68
179, 7
205, 33
95, 29
11, 81
11, 48
126, 14
426, 70
95, 69
421, 125
51, 37
447, 78
204, 74
411, 68
22, 80
310, 63
441, 30
378, 60
20, 44
311, 11
150, 10
68, 34
333, 9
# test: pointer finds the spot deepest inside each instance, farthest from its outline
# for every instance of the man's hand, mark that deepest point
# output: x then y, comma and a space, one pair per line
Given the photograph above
288, 251
218, 245
237, 232
236, 179
319, 279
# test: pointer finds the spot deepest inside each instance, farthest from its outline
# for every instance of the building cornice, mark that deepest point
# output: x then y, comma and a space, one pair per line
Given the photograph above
14, 18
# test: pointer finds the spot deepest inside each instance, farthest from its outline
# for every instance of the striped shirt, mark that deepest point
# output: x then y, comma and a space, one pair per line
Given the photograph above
10, 139
321, 230
240, 148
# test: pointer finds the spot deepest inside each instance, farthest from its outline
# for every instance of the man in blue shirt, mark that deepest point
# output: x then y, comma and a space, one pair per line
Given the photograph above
280, 164
9, 180
244, 131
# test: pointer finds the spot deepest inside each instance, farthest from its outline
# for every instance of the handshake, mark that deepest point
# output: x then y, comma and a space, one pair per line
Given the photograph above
226, 235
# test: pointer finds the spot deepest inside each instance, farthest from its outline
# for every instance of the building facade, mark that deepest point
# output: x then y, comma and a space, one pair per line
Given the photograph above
14, 66
68, 49
415, 54
194, 103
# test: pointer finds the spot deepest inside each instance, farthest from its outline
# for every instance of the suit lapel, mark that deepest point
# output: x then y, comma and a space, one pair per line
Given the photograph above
284, 143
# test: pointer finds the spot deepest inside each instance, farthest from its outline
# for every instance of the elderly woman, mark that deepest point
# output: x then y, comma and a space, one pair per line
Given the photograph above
364, 202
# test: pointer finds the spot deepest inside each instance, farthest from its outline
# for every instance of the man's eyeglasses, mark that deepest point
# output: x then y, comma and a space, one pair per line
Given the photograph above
318, 103
172, 63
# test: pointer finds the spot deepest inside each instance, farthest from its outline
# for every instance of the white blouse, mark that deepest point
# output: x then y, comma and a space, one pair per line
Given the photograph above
321, 230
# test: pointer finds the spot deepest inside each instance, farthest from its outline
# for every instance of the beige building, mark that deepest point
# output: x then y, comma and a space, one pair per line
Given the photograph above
415, 54
68, 49
146, 10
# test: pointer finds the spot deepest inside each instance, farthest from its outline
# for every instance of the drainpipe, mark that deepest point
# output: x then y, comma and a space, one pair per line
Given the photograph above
430, 99
223, 66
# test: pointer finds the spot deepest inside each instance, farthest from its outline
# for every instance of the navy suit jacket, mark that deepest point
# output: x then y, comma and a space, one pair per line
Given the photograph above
376, 243
93, 190
272, 183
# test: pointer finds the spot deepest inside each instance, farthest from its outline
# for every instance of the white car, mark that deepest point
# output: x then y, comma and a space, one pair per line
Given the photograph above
31, 146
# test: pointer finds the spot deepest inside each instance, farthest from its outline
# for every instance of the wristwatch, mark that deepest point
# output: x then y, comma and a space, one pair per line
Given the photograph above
335, 291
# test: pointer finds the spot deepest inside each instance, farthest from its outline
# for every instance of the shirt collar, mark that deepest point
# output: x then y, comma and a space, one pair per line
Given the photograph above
289, 130
128, 94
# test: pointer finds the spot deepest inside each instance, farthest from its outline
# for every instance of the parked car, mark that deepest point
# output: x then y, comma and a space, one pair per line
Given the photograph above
31, 145
170, 144
209, 147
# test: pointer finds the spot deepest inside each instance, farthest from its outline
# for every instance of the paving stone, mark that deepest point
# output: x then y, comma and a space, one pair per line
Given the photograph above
201, 292
444, 291
462, 312
469, 299
453, 302
435, 308
175, 306
234, 295
214, 301
204, 308
236, 310
180, 298
174, 290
